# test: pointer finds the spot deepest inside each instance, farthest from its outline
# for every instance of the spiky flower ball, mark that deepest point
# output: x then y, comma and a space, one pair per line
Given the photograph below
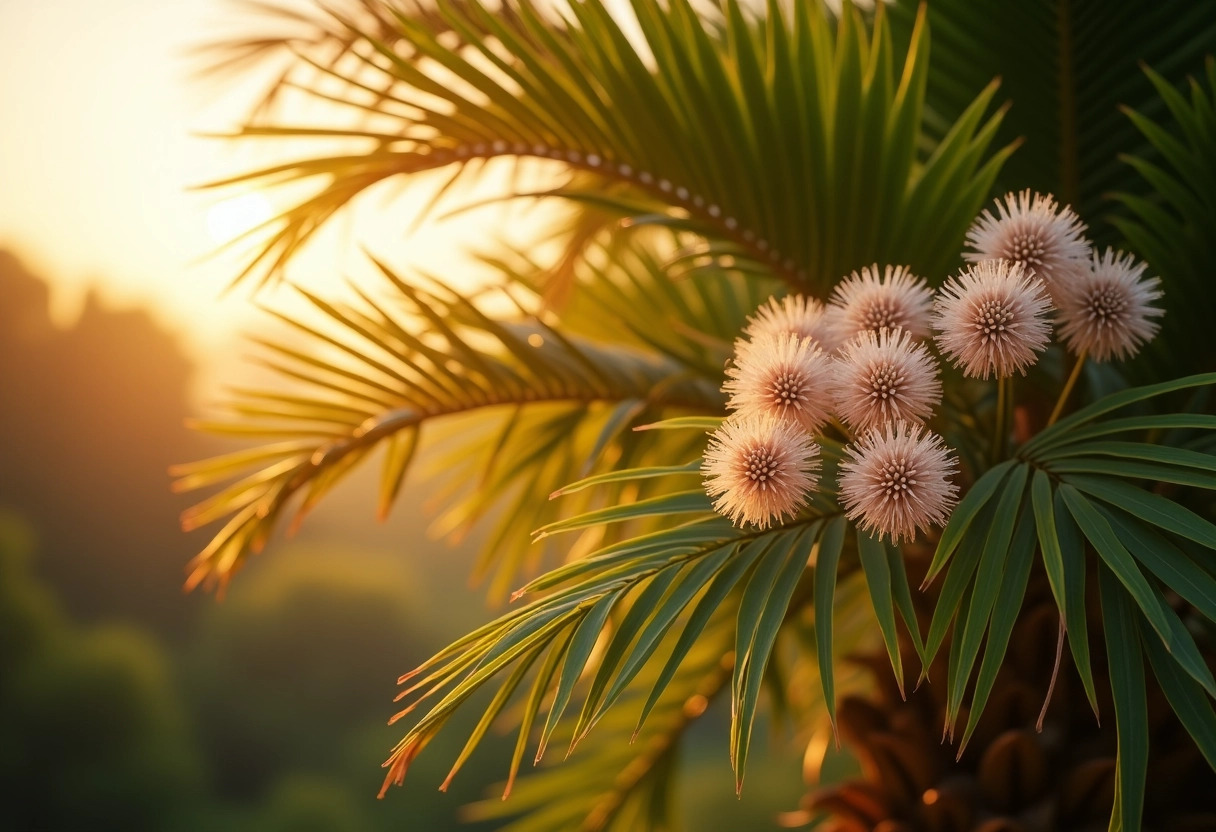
885, 378
896, 481
1107, 312
992, 319
793, 314
864, 302
786, 377
1049, 241
759, 470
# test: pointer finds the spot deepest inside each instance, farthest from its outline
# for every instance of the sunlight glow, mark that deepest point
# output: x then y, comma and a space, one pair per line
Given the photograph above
234, 216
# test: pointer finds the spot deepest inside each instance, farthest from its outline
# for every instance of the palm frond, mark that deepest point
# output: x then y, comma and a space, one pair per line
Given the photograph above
673, 580
611, 784
787, 139
631, 291
1078, 484
602, 618
320, 32
1068, 66
608, 783
1172, 226
372, 375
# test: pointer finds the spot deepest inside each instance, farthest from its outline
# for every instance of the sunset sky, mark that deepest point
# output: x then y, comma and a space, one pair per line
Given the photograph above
102, 109
97, 154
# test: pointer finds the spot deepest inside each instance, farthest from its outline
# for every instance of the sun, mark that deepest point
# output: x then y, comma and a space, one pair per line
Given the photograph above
234, 216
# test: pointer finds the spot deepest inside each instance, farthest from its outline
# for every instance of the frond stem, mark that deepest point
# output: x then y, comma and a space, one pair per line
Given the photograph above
664, 190
425, 157
1055, 673
409, 417
1002, 406
1068, 385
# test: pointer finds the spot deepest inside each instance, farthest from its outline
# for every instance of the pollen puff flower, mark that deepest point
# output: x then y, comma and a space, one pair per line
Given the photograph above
992, 319
1047, 240
864, 302
885, 378
896, 481
786, 377
759, 470
794, 314
1106, 313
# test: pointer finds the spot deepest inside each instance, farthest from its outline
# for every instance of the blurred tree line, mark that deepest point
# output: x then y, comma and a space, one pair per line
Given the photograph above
125, 705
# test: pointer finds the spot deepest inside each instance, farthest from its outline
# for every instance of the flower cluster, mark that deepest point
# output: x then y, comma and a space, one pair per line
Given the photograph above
862, 366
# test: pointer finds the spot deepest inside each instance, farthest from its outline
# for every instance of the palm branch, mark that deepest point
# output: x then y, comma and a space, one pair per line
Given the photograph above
374, 374
1069, 66
1171, 225
786, 140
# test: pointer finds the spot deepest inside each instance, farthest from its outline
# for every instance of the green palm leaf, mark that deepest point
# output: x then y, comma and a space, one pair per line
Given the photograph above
370, 376
788, 141
1068, 66
1085, 488
1171, 226
610, 784
635, 596
696, 567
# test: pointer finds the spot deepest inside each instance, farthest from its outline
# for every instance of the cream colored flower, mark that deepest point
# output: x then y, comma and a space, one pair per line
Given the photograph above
885, 378
1106, 313
759, 470
864, 302
992, 319
1033, 230
786, 377
794, 314
896, 481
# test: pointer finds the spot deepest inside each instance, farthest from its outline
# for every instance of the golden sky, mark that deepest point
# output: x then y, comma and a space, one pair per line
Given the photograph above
99, 148
97, 152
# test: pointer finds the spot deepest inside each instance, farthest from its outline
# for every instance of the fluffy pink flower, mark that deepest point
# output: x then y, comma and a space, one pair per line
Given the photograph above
787, 378
793, 314
759, 470
992, 319
864, 302
885, 378
1106, 312
1033, 230
897, 481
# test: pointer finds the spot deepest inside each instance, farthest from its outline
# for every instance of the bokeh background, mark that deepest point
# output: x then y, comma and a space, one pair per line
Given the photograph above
126, 704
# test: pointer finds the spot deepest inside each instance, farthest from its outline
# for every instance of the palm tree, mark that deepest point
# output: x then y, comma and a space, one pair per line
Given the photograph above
714, 156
